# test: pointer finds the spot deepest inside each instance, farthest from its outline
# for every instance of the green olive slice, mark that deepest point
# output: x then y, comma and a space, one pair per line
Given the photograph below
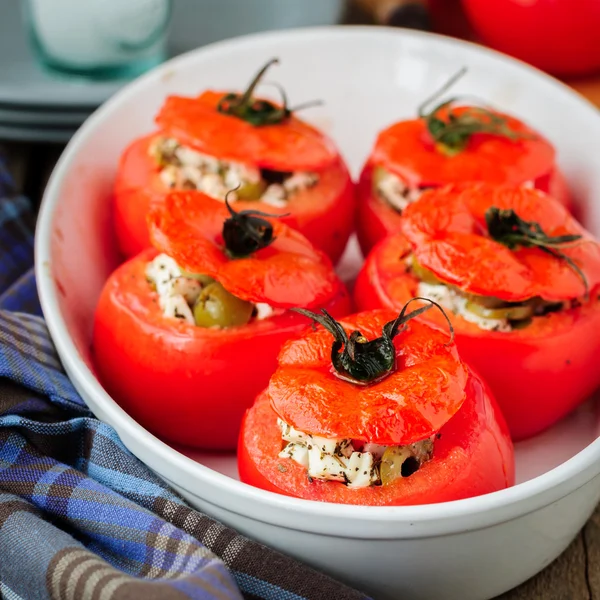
423, 274
218, 307
392, 460
518, 312
251, 190
379, 173
486, 301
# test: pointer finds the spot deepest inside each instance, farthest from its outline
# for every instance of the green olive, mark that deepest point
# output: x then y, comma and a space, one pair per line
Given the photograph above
392, 460
203, 279
217, 307
517, 312
251, 190
486, 301
379, 173
423, 274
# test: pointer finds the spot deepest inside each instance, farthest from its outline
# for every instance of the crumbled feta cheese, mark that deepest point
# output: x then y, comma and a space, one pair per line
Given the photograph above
352, 463
212, 185
176, 293
263, 311
361, 470
456, 302
331, 460
376, 450
396, 192
193, 158
186, 287
300, 181
275, 195
169, 176
187, 168
161, 271
193, 177
177, 308
296, 452
238, 174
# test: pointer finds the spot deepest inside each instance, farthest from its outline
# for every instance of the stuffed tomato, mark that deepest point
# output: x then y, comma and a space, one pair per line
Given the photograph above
520, 278
187, 332
221, 141
449, 144
385, 413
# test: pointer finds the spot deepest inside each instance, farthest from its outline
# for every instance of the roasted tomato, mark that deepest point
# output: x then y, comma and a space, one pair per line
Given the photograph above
449, 144
521, 279
187, 333
389, 415
221, 141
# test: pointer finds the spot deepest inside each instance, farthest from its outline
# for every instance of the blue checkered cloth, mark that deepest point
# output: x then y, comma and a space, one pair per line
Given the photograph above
81, 517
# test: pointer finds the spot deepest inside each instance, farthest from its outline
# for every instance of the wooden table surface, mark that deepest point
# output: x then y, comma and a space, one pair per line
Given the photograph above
575, 575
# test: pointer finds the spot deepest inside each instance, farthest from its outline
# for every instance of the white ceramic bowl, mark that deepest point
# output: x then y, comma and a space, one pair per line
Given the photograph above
470, 549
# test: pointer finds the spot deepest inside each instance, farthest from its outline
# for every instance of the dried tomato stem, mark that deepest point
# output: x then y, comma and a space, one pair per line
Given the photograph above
247, 97
255, 111
245, 232
360, 361
451, 131
506, 227
436, 95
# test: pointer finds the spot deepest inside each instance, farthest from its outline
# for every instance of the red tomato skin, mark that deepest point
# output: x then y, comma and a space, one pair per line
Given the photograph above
137, 185
375, 219
324, 214
473, 456
558, 36
538, 377
185, 384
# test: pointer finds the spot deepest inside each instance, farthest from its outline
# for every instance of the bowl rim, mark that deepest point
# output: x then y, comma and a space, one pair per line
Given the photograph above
477, 512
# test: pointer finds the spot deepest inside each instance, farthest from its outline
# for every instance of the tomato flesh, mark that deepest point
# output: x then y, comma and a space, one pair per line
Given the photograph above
538, 374
324, 213
188, 385
473, 456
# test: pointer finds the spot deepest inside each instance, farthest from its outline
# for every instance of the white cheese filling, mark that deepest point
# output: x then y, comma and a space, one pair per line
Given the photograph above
456, 302
396, 192
341, 459
177, 293
399, 194
187, 168
331, 460
263, 310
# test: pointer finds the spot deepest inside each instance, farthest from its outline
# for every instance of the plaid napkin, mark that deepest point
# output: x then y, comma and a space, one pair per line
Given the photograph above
81, 517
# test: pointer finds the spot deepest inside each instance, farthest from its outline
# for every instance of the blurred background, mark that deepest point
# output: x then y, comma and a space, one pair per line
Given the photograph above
60, 59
